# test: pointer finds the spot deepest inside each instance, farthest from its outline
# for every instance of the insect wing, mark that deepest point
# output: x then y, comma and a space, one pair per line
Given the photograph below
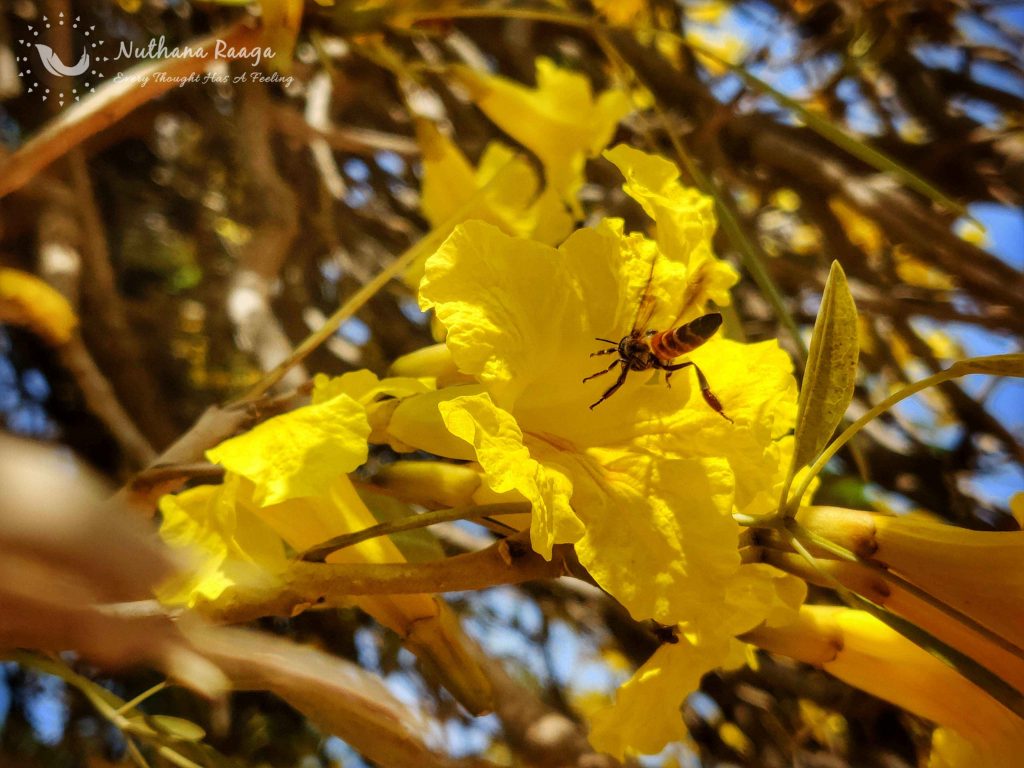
644, 313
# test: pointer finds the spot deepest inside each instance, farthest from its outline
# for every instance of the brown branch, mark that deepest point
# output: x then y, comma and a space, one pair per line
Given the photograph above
101, 400
273, 208
215, 425
994, 318
541, 734
305, 585
105, 317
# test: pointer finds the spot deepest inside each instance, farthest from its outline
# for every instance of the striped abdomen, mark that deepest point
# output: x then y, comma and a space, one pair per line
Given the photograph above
674, 342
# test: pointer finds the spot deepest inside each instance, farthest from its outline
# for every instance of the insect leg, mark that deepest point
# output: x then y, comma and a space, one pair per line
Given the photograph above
603, 372
609, 351
705, 387
614, 387
670, 369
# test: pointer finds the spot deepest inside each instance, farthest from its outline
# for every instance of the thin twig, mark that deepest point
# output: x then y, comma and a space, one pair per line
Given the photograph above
320, 552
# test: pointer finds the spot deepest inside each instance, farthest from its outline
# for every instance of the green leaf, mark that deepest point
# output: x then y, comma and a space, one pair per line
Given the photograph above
831, 370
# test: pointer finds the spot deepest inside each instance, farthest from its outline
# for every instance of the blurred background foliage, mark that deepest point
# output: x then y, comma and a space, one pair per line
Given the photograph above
209, 230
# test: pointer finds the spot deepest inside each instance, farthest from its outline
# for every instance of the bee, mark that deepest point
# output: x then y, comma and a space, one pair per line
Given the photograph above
643, 349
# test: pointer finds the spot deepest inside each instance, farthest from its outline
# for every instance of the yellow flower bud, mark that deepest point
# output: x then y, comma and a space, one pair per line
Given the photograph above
430, 483
955, 565
864, 652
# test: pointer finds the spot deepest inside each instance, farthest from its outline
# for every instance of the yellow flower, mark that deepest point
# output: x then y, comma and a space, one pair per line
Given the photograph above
862, 651
862, 231
560, 121
645, 484
229, 544
645, 716
287, 483
27, 300
515, 202
913, 271
956, 565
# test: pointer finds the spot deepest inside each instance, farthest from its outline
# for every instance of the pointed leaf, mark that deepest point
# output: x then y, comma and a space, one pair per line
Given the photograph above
831, 369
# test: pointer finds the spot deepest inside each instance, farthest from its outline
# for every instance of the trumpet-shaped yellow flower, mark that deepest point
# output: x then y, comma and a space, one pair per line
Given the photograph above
862, 651
645, 484
287, 483
515, 201
560, 121
958, 566
517, 204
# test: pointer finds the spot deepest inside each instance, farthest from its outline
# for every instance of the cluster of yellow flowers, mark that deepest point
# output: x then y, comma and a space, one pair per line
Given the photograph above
646, 487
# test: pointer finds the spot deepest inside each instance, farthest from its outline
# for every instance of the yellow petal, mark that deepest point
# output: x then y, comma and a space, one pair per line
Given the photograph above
559, 120
298, 453
27, 300
337, 509
623, 12
500, 337
449, 181
508, 466
364, 387
862, 651
958, 566
416, 424
521, 317
231, 546
448, 176
685, 220
950, 750
281, 22
659, 533
646, 714
954, 564
511, 202
1017, 507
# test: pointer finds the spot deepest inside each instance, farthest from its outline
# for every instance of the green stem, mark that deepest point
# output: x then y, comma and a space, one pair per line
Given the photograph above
857, 426
320, 552
130, 705
110, 706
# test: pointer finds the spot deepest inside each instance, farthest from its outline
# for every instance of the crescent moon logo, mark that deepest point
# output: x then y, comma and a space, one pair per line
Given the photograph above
53, 64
